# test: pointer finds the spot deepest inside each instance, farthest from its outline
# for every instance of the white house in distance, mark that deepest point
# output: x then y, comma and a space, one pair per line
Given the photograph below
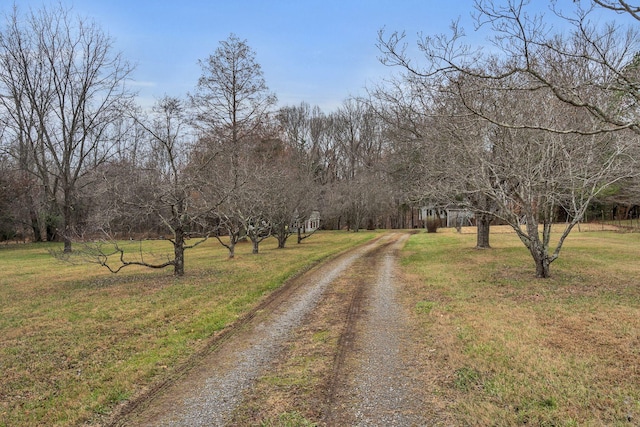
313, 222
453, 216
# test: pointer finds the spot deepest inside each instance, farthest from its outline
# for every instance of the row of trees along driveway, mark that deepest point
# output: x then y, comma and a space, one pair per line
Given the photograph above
529, 130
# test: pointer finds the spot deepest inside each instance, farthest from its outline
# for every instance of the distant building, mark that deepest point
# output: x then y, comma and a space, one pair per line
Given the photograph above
452, 216
313, 222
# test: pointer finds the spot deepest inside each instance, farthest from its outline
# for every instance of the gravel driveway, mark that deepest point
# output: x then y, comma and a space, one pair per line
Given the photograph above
370, 384
382, 388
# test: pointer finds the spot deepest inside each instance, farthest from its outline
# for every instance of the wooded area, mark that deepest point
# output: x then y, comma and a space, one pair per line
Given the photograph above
540, 128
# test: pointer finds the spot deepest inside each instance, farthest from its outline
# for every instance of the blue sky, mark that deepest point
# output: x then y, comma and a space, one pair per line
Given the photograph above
318, 51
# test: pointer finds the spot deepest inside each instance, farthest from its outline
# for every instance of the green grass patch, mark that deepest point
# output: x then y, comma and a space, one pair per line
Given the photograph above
76, 340
511, 349
321, 336
288, 419
466, 378
424, 307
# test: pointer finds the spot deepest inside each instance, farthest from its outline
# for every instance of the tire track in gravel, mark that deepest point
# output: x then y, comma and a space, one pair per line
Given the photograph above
349, 335
374, 383
208, 394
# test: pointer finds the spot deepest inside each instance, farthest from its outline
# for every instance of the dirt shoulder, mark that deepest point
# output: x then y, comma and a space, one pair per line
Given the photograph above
335, 348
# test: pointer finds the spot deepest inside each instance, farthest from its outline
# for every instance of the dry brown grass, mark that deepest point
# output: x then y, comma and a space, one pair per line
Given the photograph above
504, 348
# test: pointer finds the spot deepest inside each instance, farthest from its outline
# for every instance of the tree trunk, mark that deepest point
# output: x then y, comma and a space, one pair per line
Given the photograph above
67, 245
539, 249
371, 224
51, 231
255, 246
542, 264
35, 225
281, 233
542, 269
432, 224
483, 225
232, 247
67, 218
67, 214
413, 224
178, 252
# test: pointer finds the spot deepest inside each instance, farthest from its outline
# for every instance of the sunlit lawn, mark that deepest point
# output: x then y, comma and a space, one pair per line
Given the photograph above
510, 349
76, 340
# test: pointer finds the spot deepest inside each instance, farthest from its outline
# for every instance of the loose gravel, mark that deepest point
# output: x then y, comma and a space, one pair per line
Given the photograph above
382, 383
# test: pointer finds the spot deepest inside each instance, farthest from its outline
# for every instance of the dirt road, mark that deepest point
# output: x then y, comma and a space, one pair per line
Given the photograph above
331, 348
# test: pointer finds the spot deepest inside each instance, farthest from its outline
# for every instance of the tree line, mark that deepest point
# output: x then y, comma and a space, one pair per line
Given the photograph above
529, 132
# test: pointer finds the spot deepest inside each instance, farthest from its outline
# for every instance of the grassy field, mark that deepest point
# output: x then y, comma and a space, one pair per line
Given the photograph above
502, 347
75, 340
507, 349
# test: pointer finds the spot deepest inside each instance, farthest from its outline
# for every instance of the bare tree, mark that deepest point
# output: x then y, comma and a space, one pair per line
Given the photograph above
358, 148
407, 123
432, 153
232, 99
589, 66
458, 160
8, 190
305, 130
255, 217
537, 175
229, 228
168, 190
62, 89
232, 105
554, 104
290, 205
620, 6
